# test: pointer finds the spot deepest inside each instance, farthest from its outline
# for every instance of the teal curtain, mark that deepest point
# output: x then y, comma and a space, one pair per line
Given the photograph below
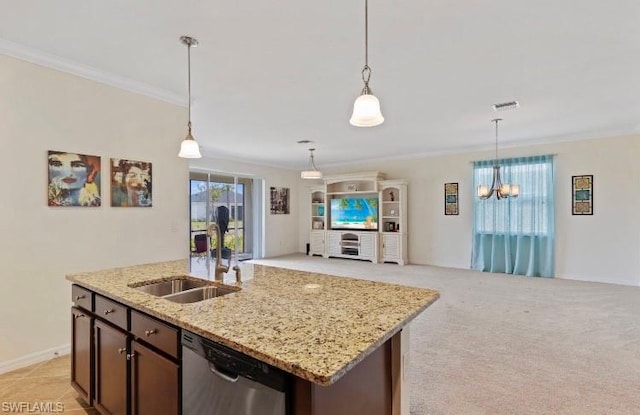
516, 235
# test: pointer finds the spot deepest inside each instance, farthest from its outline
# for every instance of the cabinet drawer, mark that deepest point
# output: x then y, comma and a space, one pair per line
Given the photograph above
81, 297
111, 311
155, 332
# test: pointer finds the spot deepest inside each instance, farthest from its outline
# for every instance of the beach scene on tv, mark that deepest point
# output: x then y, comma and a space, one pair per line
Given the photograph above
354, 213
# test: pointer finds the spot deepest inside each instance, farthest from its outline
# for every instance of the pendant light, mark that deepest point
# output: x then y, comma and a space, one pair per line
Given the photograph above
366, 108
313, 173
501, 190
189, 148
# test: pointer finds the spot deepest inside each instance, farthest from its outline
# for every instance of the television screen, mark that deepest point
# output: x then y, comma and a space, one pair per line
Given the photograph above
359, 213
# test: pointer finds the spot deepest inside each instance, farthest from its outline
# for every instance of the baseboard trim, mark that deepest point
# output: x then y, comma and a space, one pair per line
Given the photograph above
33, 358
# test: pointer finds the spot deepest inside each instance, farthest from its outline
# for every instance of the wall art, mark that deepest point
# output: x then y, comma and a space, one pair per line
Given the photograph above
451, 198
131, 183
74, 179
582, 195
279, 200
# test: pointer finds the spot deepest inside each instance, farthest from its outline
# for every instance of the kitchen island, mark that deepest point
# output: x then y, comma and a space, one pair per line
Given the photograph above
341, 338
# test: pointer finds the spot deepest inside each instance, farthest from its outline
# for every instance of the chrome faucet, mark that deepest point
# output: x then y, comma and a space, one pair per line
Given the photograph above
220, 268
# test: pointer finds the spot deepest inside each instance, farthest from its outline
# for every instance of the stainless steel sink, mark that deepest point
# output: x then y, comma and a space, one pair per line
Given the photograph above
186, 289
199, 294
163, 288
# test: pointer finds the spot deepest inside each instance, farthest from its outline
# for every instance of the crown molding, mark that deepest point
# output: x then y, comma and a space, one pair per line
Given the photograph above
26, 53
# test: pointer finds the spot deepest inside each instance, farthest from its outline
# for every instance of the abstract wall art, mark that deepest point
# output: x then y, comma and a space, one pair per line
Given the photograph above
279, 200
131, 182
74, 179
451, 199
582, 195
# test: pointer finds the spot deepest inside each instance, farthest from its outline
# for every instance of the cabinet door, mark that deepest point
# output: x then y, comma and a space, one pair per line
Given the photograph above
81, 342
317, 243
390, 247
110, 369
155, 383
334, 243
367, 245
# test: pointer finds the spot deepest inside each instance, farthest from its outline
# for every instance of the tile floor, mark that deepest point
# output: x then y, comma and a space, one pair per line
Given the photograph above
43, 383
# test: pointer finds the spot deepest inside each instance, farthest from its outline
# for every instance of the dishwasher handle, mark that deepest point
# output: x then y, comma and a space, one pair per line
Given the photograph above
222, 375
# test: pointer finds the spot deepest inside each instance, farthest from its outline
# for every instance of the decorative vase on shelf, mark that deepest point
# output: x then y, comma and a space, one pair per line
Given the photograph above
391, 196
320, 210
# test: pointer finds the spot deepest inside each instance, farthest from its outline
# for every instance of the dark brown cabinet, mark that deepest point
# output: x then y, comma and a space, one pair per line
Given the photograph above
154, 383
123, 362
81, 352
110, 369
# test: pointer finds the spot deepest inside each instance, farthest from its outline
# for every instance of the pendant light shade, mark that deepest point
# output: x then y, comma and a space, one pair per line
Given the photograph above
189, 148
366, 111
366, 108
501, 190
313, 172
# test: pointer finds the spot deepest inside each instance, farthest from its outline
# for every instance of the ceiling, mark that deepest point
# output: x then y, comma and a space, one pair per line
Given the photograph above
270, 73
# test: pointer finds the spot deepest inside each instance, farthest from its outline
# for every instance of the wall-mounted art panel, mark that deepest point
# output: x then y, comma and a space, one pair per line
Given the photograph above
279, 200
451, 199
582, 195
131, 183
74, 179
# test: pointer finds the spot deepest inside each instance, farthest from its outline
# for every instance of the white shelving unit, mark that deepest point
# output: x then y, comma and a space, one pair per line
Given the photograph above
393, 220
318, 221
387, 239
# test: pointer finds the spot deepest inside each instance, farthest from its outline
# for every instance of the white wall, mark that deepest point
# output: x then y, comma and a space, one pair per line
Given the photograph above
43, 109
281, 231
604, 247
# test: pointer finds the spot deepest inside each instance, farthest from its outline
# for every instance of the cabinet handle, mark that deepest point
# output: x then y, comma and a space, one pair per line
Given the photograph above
122, 350
80, 297
131, 355
150, 332
109, 311
78, 315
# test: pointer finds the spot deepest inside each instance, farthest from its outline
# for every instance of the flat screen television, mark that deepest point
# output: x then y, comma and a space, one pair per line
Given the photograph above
354, 212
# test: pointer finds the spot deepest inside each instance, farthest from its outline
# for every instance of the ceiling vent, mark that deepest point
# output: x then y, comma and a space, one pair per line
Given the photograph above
504, 106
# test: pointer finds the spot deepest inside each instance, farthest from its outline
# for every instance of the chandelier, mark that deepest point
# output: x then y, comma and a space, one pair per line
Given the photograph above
312, 173
501, 190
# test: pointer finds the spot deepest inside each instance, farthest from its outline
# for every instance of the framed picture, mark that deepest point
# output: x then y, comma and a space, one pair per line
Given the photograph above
582, 195
279, 200
451, 199
74, 179
131, 183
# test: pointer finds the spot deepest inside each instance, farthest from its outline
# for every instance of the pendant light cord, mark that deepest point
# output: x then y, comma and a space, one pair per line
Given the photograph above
366, 71
366, 33
189, 81
496, 141
496, 121
313, 164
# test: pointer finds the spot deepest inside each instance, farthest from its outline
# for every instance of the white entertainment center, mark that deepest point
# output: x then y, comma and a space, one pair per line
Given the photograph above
359, 216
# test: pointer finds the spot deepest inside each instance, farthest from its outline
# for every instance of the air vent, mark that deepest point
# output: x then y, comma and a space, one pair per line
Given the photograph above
504, 106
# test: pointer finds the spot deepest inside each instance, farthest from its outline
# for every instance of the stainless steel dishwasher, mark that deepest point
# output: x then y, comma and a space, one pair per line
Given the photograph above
217, 380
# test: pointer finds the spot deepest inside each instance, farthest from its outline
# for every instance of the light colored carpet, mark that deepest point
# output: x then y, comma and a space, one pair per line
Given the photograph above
498, 344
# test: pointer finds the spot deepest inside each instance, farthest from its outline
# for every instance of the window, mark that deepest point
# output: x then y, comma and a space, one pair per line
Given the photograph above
516, 235
531, 212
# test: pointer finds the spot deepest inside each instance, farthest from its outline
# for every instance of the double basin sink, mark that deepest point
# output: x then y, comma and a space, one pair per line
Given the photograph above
186, 289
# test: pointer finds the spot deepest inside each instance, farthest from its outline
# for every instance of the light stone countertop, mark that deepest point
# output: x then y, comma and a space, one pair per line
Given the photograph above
312, 325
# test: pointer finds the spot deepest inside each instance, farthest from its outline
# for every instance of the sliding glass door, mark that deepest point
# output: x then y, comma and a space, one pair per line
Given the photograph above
228, 202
